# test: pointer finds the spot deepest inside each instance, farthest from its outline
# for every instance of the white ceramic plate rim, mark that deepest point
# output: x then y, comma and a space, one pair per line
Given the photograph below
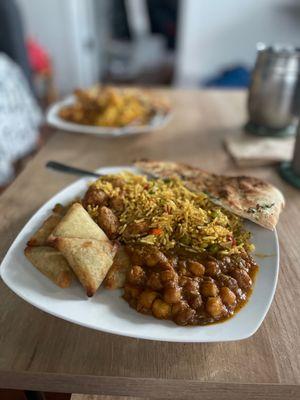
53, 119
237, 328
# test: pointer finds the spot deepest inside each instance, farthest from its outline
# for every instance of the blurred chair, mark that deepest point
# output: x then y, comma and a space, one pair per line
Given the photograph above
141, 51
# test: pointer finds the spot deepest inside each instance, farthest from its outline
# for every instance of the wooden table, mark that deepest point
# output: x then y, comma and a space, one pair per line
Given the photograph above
41, 352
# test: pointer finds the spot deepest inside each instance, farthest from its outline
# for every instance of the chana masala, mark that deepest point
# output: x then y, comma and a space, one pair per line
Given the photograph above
190, 260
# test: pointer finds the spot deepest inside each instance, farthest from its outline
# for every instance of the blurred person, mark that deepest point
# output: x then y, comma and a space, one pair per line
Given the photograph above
19, 112
20, 118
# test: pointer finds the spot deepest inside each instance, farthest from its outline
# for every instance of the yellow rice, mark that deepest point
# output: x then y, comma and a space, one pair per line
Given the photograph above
178, 216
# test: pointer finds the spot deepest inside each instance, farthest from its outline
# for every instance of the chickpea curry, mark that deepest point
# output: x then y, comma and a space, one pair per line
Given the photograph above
190, 290
188, 260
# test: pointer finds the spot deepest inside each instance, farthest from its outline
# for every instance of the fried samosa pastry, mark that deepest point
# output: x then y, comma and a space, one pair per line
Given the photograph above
85, 246
50, 263
77, 224
40, 237
115, 277
89, 259
60, 209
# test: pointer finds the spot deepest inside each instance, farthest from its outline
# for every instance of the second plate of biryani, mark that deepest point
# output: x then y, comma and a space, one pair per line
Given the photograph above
109, 111
161, 250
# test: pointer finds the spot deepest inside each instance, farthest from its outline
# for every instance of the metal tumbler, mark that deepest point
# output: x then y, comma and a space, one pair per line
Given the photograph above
271, 91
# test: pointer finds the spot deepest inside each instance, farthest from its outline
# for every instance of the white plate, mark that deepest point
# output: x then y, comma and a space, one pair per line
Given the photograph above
107, 312
53, 118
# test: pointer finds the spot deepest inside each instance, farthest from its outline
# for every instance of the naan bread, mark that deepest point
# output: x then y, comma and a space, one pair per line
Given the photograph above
85, 246
50, 263
248, 197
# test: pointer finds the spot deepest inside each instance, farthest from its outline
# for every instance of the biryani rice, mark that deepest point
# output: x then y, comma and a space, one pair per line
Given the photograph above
174, 215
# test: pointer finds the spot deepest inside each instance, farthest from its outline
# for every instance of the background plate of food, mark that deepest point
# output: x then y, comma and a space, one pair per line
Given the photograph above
223, 296
110, 112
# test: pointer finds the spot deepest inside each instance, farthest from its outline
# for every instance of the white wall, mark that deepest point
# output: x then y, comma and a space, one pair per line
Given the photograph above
214, 34
64, 27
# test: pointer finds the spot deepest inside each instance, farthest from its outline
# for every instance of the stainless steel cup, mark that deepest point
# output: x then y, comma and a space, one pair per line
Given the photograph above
296, 157
290, 170
272, 88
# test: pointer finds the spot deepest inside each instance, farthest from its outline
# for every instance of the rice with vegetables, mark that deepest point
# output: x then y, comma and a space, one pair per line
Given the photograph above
167, 215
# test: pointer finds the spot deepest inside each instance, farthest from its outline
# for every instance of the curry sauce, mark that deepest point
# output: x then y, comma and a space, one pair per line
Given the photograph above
189, 289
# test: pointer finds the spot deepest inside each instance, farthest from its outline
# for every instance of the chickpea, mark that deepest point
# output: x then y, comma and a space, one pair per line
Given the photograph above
154, 281
229, 282
184, 316
173, 261
243, 279
156, 258
191, 287
212, 268
182, 270
181, 264
195, 302
226, 260
136, 275
150, 260
134, 255
160, 309
183, 280
177, 307
146, 299
227, 296
172, 295
196, 268
168, 275
242, 263
214, 306
209, 289
248, 266
131, 291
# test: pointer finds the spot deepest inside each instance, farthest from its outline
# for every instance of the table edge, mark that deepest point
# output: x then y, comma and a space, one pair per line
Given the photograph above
145, 387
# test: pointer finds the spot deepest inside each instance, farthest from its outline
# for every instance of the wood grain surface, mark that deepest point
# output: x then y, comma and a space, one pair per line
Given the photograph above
38, 351
99, 397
